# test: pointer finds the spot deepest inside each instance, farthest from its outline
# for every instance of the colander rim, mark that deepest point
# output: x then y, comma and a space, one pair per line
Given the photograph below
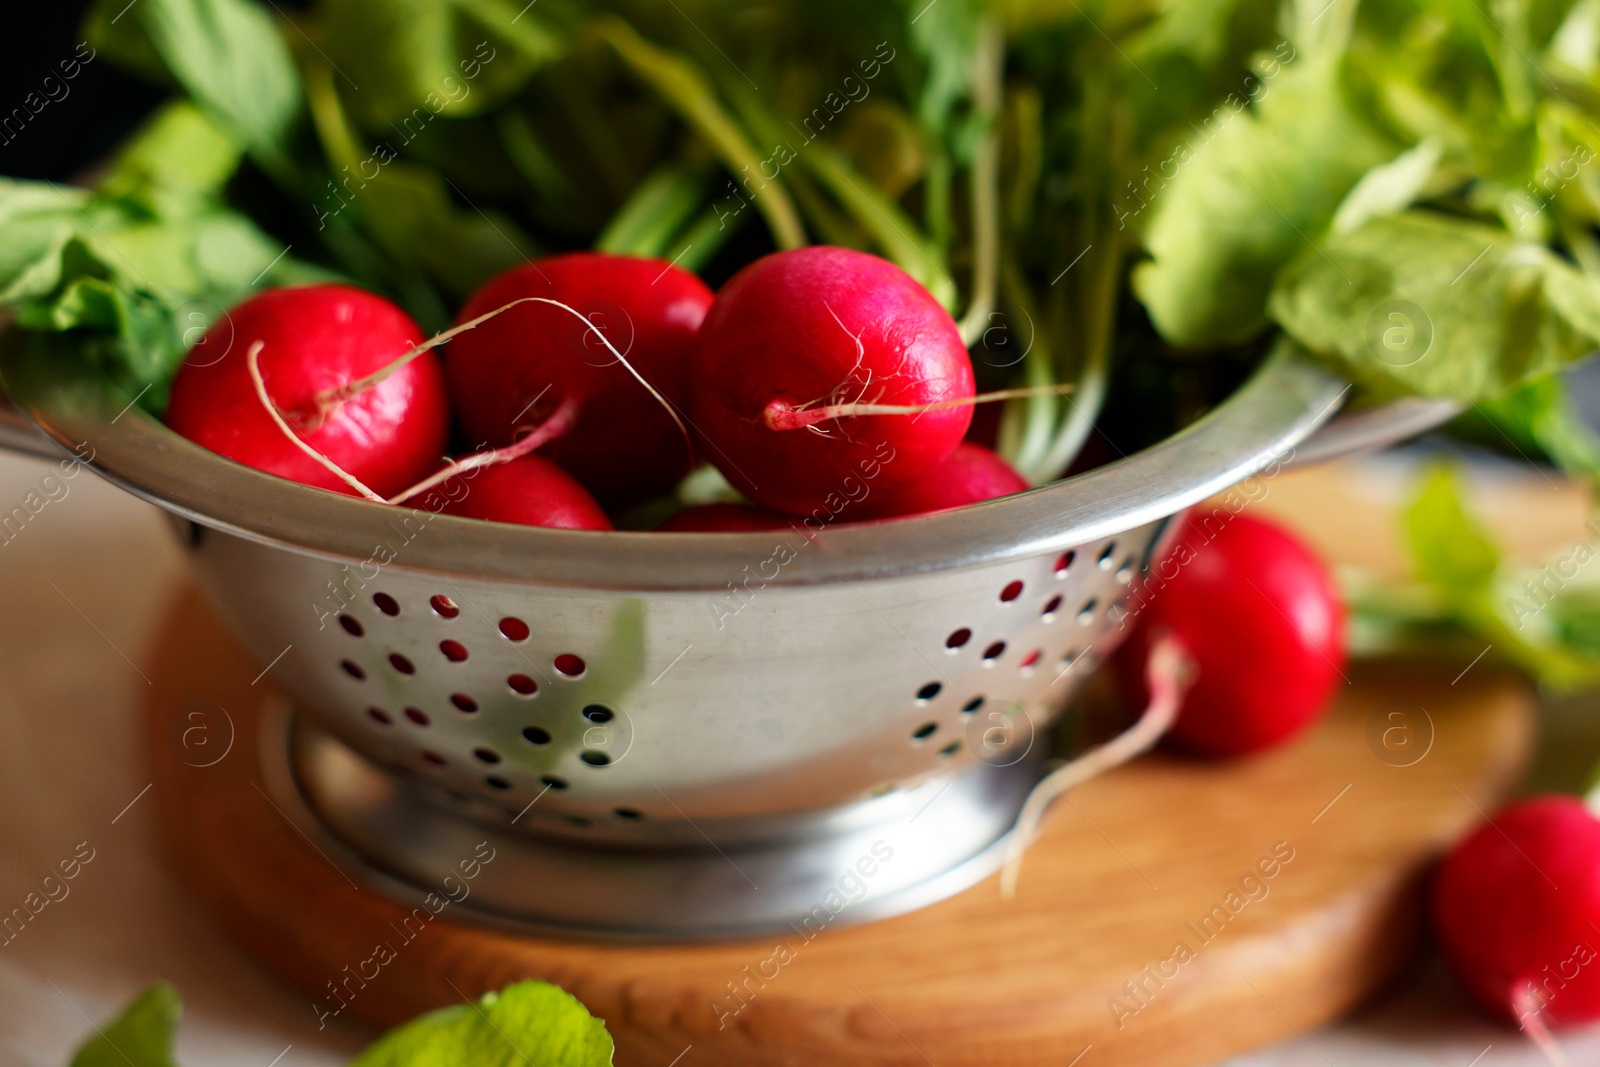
1283, 402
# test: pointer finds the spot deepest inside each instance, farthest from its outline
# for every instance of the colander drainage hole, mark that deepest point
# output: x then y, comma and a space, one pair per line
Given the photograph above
957, 639
433, 758
453, 650
464, 702
951, 749
386, 604
1086, 613
535, 736
993, 652
351, 626
553, 782
577, 820
1065, 563
522, 685
1051, 606
1125, 572
1030, 661
631, 814
594, 758
598, 713
570, 665
928, 692
514, 629
443, 606
487, 755
1011, 591
378, 715
925, 731
353, 669
401, 664
494, 781
1106, 555
418, 716
972, 705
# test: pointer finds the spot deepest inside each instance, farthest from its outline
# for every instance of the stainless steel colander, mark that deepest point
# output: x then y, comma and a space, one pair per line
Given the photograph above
684, 735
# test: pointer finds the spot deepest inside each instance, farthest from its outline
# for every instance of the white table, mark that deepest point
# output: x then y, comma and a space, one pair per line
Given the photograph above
82, 586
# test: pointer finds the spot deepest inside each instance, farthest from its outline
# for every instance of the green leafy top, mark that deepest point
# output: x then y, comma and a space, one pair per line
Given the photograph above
1249, 169
1465, 594
528, 1024
143, 1035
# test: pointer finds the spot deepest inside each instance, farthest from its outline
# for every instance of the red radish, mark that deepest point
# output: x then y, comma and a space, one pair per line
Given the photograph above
529, 491
313, 341
513, 370
1516, 907
725, 518
969, 475
1237, 650
1260, 618
799, 357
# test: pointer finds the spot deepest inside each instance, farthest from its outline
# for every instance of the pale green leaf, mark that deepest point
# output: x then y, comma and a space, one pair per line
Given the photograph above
530, 1024
1254, 189
142, 1036
1389, 188
1429, 304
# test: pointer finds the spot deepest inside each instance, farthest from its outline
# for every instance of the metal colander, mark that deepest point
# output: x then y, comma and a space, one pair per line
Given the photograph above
682, 735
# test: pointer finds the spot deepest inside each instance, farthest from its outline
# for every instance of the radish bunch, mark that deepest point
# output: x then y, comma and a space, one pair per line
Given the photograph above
825, 384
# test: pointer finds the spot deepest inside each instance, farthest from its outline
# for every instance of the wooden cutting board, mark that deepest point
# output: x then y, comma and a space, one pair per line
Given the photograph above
1172, 913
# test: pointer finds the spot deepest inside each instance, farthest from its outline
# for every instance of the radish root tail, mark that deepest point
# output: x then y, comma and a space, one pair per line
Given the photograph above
332, 398
1527, 1004
252, 359
537, 438
1167, 675
781, 415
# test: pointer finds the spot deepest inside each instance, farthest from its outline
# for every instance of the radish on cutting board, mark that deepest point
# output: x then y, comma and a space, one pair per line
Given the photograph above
1261, 621
1516, 909
1238, 643
311, 342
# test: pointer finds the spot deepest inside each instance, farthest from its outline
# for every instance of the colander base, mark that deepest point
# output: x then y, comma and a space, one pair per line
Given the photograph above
415, 851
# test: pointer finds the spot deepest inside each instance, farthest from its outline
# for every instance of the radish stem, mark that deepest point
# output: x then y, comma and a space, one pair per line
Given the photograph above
252, 360
334, 397
986, 91
1168, 676
780, 415
682, 85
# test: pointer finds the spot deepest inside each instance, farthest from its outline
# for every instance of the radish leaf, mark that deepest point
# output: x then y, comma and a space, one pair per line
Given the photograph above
526, 1023
142, 1036
1428, 304
1254, 189
229, 57
453, 57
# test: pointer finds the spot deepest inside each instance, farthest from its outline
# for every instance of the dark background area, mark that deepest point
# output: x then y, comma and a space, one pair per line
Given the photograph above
69, 134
